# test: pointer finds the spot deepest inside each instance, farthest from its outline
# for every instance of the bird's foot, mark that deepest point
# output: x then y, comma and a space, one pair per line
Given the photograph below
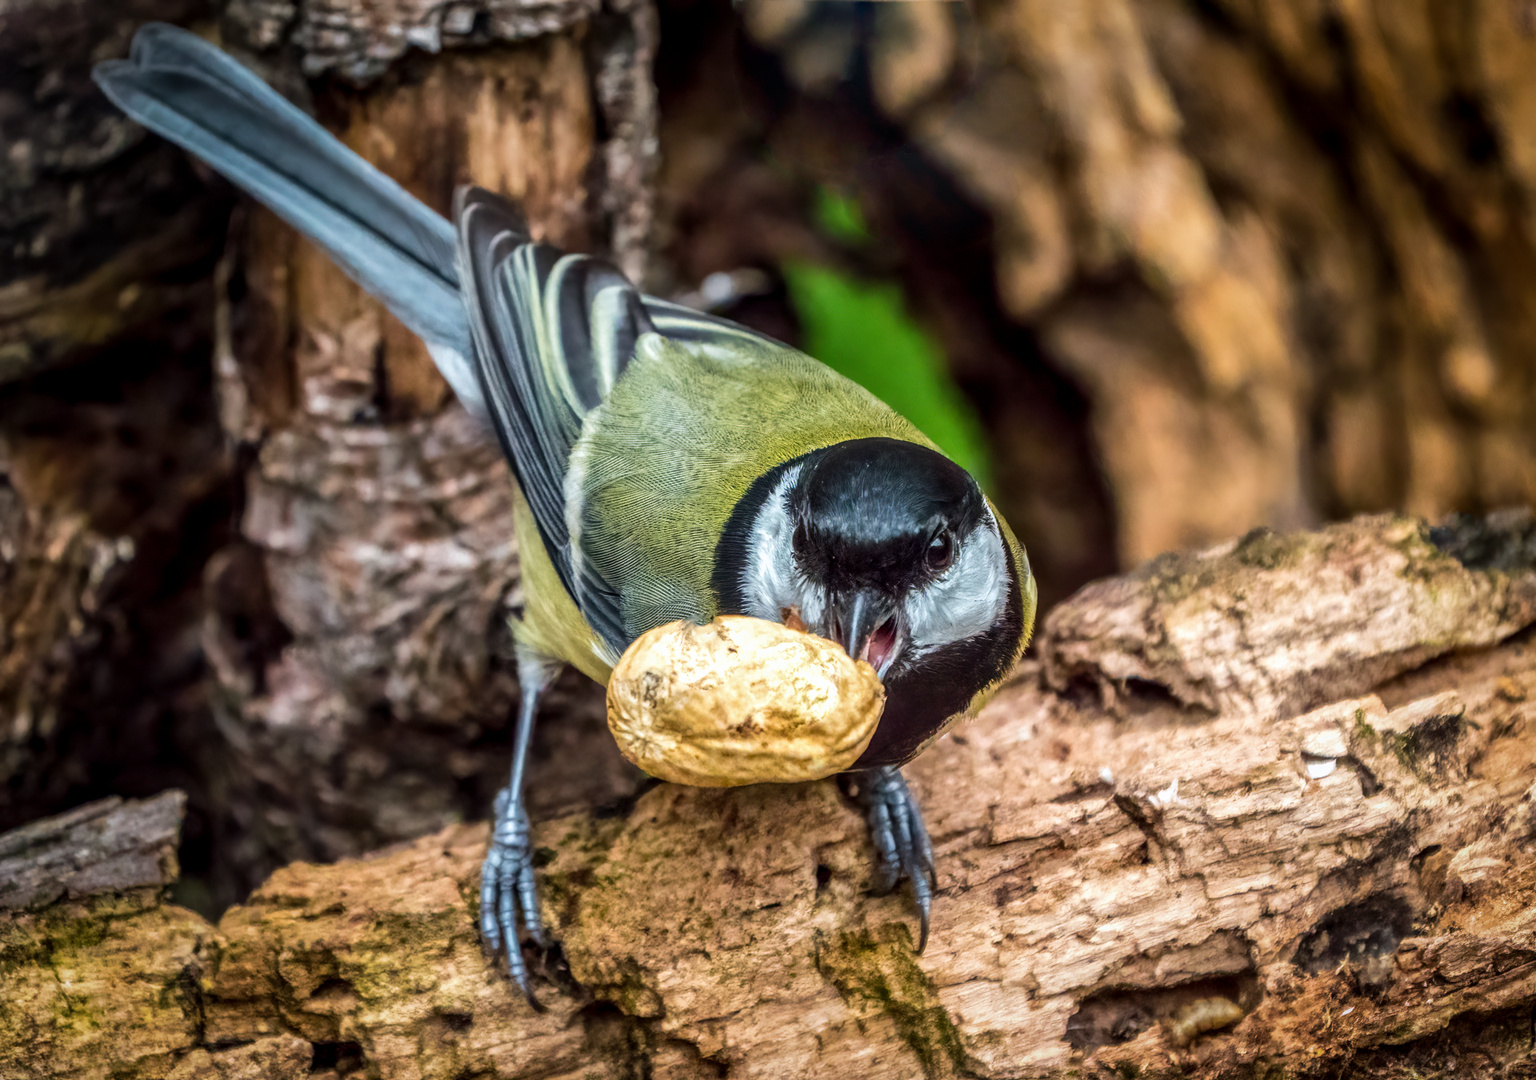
509, 898
902, 848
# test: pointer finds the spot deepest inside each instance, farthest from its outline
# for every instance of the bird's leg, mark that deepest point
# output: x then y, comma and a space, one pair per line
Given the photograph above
509, 898
902, 848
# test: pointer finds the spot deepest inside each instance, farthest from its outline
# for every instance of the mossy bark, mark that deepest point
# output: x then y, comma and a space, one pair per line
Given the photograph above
1341, 861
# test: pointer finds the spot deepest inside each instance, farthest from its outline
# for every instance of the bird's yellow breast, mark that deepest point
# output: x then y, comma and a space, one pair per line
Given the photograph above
551, 624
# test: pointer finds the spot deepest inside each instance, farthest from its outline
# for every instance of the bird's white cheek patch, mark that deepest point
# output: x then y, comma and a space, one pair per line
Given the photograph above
966, 601
771, 581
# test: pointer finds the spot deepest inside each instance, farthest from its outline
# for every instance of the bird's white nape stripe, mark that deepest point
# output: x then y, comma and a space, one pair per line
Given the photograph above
770, 580
968, 599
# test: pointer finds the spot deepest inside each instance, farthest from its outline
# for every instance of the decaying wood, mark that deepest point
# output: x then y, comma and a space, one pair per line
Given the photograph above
113, 489
1334, 855
108, 485
51, 576
103, 232
105, 846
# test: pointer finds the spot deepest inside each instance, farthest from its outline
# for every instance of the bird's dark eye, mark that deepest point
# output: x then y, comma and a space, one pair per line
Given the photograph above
941, 552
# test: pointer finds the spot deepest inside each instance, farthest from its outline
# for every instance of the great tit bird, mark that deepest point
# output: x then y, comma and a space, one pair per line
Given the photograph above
670, 464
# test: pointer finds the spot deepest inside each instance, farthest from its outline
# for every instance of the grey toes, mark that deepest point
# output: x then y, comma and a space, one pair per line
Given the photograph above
903, 851
509, 899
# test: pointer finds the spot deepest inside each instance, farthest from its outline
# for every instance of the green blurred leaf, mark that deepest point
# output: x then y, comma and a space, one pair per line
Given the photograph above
862, 330
840, 217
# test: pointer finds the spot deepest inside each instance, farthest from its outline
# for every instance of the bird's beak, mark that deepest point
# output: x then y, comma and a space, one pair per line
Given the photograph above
864, 623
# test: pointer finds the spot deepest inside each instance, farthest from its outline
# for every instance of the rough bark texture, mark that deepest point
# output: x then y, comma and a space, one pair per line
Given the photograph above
102, 232
1339, 863
113, 486
101, 847
114, 489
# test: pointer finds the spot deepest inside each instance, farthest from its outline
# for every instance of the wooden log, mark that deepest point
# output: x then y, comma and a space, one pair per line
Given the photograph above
105, 846
1331, 878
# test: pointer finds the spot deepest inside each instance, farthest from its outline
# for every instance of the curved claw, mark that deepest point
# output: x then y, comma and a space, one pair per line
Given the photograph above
903, 850
509, 899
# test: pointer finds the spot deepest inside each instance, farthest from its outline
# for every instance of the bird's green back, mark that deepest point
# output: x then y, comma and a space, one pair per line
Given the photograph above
663, 461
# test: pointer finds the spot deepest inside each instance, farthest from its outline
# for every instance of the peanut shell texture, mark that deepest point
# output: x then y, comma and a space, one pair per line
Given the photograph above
741, 701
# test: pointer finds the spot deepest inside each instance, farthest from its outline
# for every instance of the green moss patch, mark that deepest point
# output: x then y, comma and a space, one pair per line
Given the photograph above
879, 972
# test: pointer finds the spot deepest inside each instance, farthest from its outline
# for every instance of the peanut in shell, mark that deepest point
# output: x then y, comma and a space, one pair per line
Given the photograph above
741, 701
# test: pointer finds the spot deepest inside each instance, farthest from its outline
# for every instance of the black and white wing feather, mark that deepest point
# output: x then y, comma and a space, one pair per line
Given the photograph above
701, 328
552, 333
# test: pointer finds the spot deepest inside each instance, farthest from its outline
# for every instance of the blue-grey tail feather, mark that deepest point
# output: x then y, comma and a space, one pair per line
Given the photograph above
190, 92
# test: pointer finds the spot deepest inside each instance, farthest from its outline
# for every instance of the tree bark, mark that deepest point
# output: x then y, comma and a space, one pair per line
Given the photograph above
1282, 787
113, 484
103, 234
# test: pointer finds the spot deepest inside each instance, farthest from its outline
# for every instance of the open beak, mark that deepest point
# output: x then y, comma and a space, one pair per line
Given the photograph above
864, 623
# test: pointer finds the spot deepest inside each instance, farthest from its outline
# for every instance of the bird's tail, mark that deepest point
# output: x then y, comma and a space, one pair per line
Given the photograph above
181, 87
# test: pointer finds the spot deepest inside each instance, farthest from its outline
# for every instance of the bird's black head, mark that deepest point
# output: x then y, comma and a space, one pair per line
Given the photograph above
889, 548
881, 514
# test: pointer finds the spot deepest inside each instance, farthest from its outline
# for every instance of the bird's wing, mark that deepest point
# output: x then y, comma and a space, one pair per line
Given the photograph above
684, 324
552, 334
539, 338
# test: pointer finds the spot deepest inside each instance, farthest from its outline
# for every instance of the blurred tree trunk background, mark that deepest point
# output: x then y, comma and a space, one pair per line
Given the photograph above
1196, 266
1201, 264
